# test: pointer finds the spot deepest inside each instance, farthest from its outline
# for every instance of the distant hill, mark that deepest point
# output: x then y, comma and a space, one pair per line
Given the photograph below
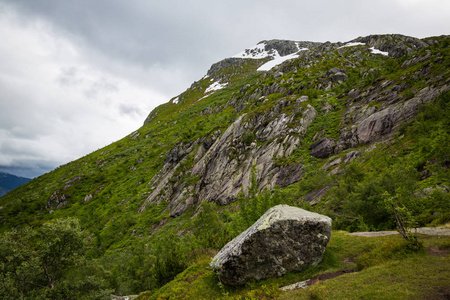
9, 182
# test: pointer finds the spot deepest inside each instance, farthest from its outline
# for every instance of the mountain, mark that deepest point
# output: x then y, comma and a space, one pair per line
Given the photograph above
356, 130
9, 182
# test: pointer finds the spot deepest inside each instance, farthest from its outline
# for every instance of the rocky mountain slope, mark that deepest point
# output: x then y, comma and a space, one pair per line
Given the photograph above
269, 130
332, 127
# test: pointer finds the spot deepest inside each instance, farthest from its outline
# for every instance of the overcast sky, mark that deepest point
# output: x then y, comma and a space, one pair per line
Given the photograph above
78, 75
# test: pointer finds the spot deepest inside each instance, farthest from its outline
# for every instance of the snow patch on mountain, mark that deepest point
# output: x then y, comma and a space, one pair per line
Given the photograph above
376, 51
373, 50
215, 86
259, 52
352, 45
255, 52
276, 61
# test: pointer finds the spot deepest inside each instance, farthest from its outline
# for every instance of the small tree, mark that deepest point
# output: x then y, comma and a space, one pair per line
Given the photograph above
403, 219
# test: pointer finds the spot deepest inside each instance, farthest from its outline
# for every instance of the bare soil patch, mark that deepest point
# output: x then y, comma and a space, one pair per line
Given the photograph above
436, 251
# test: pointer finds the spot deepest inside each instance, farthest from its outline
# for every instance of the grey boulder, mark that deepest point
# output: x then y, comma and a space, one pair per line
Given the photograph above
284, 239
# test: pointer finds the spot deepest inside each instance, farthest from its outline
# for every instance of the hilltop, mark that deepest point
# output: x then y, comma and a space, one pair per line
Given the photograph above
344, 129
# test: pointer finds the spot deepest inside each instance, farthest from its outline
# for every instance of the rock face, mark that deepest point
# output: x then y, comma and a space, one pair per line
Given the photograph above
396, 45
224, 166
285, 47
380, 124
225, 169
284, 239
323, 148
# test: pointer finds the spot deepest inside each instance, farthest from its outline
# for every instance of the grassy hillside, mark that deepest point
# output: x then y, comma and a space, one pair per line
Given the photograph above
353, 268
143, 209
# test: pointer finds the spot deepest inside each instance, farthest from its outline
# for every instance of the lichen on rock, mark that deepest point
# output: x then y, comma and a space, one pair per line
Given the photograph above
284, 239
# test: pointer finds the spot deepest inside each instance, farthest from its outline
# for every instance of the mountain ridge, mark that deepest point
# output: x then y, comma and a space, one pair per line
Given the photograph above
399, 45
338, 129
9, 182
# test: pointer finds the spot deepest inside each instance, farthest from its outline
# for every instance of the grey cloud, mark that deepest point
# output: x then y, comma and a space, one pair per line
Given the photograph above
73, 77
21, 160
18, 117
146, 50
148, 33
191, 35
100, 86
130, 110
69, 77
10, 147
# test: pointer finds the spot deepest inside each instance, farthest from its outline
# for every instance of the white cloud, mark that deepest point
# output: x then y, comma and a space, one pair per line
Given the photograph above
77, 75
54, 105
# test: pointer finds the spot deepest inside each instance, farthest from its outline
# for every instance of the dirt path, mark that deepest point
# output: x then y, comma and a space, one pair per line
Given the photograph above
315, 279
423, 230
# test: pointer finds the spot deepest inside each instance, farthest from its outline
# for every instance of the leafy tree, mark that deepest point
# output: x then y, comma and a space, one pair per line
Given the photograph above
60, 245
18, 265
36, 263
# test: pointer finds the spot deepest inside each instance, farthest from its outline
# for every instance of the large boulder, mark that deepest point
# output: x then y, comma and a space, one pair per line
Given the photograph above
284, 239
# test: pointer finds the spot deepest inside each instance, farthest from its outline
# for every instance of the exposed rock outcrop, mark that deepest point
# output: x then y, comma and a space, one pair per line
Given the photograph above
129, 297
337, 75
224, 166
382, 123
315, 197
284, 239
60, 197
396, 45
352, 155
286, 47
227, 165
227, 63
323, 148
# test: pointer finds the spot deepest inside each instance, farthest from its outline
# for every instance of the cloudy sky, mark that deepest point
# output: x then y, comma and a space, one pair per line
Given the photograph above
78, 75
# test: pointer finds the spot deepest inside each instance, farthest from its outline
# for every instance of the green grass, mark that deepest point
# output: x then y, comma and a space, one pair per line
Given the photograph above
414, 277
399, 275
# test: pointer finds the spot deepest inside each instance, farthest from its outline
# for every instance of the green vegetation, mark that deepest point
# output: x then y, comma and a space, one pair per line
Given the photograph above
47, 263
122, 243
373, 192
376, 261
